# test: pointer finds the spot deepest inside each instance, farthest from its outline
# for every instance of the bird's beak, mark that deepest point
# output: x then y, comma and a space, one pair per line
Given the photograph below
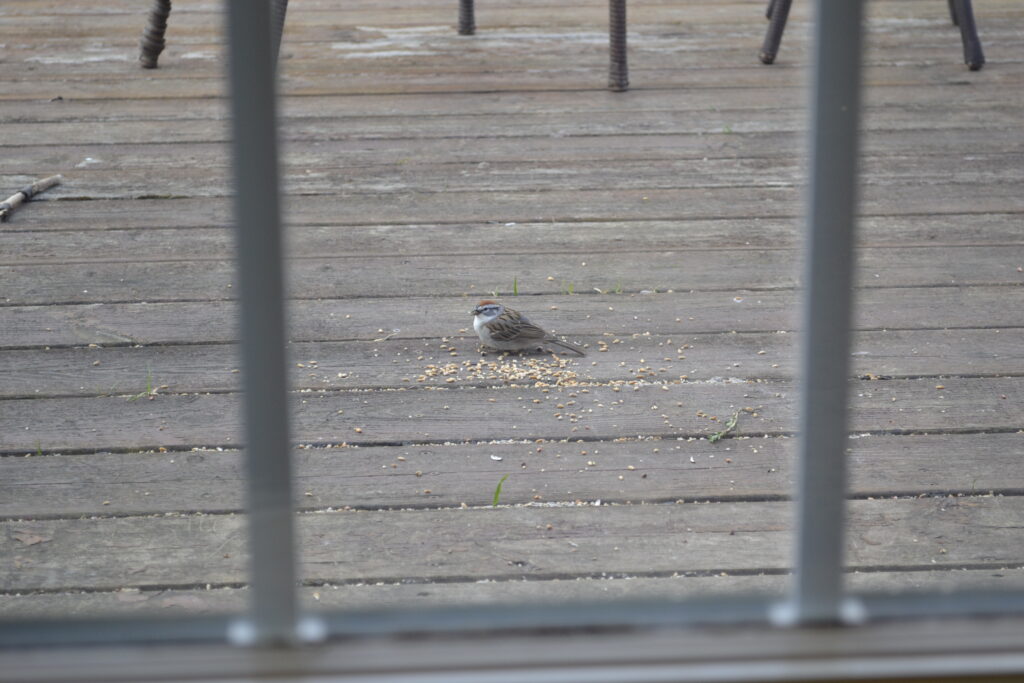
474, 311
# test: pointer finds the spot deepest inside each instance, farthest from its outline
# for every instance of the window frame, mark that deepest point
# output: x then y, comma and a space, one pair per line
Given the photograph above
649, 630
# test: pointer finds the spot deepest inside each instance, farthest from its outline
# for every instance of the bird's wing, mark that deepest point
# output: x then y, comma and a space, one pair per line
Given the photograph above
504, 331
528, 330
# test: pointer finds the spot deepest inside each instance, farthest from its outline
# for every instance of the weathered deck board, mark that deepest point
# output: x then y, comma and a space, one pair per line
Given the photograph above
498, 125
900, 199
399, 596
533, 178
436, 317
736, 469
724, 128
333, 163
505, 543
564, 60
317, 39
645, 103
316, 12
320, 23
35, 245
447, 415
365, 50
125, 370
727, 10
745, 72
397, 276
29, 245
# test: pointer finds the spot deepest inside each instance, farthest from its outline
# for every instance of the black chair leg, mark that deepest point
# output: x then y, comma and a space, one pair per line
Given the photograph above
963, 14
618, 70
778, 11
152, 42
467, 22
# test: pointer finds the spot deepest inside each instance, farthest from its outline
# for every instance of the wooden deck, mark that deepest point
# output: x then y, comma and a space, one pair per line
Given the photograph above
424, 171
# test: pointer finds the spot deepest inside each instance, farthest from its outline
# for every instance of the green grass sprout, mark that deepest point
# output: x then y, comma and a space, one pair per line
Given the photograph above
497, 491
730, 424
150, 391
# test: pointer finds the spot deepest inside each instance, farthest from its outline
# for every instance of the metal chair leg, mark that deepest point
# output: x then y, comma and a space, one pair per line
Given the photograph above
779, 13
974, 57
152, 42
467, 22
618, 70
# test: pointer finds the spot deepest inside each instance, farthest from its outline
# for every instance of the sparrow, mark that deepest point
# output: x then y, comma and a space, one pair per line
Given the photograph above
502, 328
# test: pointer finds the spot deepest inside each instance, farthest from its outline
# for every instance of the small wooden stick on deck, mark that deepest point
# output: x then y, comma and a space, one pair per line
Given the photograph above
26, 193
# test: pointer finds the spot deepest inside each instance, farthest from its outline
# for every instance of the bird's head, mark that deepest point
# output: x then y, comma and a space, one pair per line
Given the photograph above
487, 309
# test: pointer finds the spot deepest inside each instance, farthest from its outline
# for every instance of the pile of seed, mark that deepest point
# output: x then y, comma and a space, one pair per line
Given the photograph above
540, 372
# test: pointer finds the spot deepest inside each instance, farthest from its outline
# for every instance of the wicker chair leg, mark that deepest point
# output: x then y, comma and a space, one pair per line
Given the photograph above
152, 42
777, 24
280, 9
974, 57
467, 21
618, 70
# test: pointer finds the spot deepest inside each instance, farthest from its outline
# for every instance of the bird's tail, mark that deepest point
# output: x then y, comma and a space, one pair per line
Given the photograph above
576, 348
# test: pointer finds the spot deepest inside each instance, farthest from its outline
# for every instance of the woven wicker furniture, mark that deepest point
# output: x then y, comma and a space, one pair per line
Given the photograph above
960, 11
152, 43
